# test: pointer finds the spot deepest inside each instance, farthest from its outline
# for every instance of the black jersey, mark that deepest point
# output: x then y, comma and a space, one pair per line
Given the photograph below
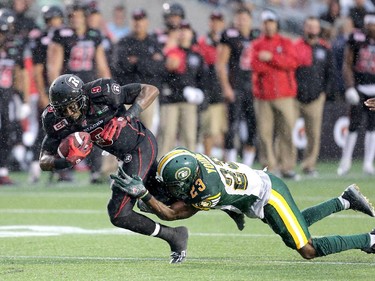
363, 49
106, 100
11, 55
79, 52
239, 60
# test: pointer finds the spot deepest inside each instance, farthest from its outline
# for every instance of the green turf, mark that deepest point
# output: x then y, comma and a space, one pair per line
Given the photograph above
74, 240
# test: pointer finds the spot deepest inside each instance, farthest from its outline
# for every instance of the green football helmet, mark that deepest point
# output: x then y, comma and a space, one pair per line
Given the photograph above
178, 169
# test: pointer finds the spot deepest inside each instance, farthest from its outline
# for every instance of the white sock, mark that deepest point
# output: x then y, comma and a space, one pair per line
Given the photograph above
345, 203
4, 172
248, 158
231, 155
347, 151
156, 231
369, 150
372, 240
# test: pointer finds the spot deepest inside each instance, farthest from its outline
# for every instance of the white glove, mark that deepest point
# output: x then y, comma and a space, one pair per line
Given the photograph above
25, 111
193, 95
351, 96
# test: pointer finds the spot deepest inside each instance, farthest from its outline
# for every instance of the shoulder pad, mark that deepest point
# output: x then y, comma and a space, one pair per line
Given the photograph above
231, 33
66, 32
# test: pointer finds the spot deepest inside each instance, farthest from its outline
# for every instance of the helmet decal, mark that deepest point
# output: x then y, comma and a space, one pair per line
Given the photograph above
72, 81
183, 173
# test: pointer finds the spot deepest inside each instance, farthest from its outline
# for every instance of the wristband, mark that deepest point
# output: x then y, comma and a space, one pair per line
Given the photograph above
61, 163
134, 111
146, 197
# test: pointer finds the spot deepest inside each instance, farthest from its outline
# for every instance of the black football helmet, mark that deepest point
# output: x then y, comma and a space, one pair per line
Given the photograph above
4, 26
49, 12
64, 91
7, 18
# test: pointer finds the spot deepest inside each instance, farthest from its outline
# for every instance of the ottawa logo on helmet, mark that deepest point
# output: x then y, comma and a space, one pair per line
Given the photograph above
73, 82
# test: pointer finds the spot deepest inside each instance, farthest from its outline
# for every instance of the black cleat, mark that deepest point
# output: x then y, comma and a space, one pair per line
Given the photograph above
371, 249
239, 218
179, 246
358, 202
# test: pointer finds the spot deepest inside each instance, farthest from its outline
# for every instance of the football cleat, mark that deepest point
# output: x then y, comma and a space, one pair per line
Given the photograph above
358, 202
239, 219
179, 245
178, 257
371, 249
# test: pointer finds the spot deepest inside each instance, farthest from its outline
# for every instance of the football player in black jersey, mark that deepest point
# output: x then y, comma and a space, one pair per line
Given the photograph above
53, 17
98, 108
78, 49
12, 82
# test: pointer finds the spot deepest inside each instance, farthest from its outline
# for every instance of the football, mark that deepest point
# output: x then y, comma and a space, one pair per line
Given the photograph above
77, 137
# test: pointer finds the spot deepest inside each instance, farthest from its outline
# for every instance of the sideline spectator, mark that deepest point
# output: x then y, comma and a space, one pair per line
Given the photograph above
139, 58
357, 13
273, 61
234, 72
118, 27
359, 77
213, 115
185, 78
315, 78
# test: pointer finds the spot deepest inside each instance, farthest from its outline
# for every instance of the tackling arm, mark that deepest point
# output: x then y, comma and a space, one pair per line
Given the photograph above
176, 211
141, 99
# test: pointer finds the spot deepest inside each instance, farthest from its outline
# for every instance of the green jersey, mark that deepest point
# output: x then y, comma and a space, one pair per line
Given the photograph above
233, 186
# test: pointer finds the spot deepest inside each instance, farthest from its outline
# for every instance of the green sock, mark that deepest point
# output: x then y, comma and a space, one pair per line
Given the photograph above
318, 212
334, 244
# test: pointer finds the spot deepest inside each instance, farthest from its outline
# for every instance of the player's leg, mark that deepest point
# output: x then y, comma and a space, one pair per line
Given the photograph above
249, 151
230, 151
369, 153
265, 130
351, 140
284, 217
351, 198
120, 207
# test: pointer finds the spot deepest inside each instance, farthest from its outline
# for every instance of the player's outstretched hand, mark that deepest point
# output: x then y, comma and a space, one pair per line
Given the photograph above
131, 185
370, 103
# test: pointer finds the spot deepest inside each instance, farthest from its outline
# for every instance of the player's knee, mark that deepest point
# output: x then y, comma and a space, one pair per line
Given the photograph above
308, 252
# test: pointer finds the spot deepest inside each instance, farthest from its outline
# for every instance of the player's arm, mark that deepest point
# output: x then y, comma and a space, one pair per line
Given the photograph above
221, 67
55, 60
370, 103
47, 159
135, 188
141, 96
102, 63
347, 67
40, 84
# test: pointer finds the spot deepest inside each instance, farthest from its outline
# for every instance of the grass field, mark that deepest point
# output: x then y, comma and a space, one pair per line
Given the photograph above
62, 232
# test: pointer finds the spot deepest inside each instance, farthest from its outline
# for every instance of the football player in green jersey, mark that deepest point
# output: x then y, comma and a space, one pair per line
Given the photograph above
203, 183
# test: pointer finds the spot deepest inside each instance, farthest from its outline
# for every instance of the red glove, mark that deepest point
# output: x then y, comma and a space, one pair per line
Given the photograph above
77, 154
113, 128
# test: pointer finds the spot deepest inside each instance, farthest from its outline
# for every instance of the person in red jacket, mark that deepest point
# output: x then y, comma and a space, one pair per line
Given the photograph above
273, 61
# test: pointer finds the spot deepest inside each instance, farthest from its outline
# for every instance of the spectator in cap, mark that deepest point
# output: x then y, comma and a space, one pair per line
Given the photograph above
138, 58
273, 61
178, 107
213, 115
118, 27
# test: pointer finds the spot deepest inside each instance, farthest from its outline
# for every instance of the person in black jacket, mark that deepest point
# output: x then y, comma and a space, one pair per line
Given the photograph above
315, 76
138, 57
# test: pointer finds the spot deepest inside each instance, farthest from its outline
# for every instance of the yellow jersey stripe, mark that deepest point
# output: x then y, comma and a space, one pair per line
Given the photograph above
289, 219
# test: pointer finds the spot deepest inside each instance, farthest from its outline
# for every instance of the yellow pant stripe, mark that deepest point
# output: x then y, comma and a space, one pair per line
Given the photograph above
289, 219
